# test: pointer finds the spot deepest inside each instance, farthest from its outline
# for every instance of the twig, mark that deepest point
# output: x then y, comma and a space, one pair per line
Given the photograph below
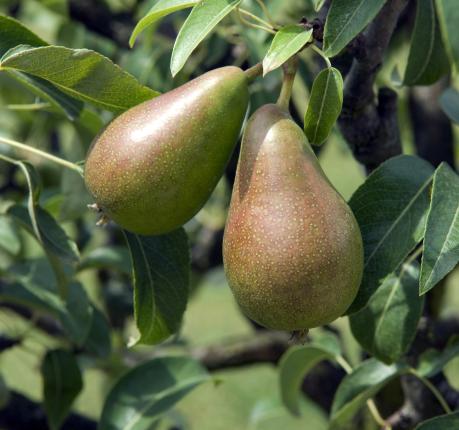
43, 154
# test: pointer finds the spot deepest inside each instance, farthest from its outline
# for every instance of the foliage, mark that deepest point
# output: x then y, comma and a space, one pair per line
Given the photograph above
62, 82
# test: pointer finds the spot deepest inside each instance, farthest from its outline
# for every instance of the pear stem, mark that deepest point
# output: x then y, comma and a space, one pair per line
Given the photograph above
290, 68
53, 158
253, 72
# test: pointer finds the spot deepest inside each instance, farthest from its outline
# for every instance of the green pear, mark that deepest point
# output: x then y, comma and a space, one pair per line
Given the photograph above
292, 247
153, 167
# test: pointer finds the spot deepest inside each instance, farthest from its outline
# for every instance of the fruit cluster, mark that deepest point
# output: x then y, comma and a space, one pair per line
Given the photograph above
292, 248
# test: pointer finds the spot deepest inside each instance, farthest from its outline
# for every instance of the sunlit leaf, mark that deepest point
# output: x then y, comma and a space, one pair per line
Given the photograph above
201, 21
159, 10
286, 43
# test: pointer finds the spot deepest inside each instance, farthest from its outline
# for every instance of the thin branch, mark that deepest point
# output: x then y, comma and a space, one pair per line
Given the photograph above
43, 154
266, 347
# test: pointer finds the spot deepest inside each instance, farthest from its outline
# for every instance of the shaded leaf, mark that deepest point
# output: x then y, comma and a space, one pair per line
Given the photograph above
441, 242
345, 20
427, 61
4, 393
13, 33
160, 9
359, 386
143, 394
63, 103
387, 324
161, 267
324, 105
75, 197
448, 17
201, 21
62, 382
443, 422
109, 257
34, 286
286, 43
98, 341
449, 102
50, 233
10, 240
297, 362
391, 209
270, 414
432, 361
81, 73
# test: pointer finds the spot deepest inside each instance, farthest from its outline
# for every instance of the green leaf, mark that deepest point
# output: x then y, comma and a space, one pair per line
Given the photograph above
47, 231
317, 4
386, 326
448, 17
63, 103
75, 315
201, 21
39, 222
297, 362
427, 61
62, 383
270, 414
286, 43
10, 240
160, 9
81, 73
359, 386
14, 33
4, 393
441, 242
324, 105
146, 392
391, 209
75, 197
449, 102
443, 422
345, 20
98, 341
109, 257
432, 361
161, 267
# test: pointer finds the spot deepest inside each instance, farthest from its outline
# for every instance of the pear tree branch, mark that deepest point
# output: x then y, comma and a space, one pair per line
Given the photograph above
369, 120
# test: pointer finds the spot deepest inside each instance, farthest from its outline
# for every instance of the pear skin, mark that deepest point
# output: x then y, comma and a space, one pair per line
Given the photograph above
292, 248
153, 167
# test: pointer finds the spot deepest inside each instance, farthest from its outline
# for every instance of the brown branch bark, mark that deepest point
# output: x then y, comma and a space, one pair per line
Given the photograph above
369, 121
266, 347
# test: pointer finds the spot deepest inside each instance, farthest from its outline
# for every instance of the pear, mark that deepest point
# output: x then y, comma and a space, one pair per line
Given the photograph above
292, 248
153, 167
